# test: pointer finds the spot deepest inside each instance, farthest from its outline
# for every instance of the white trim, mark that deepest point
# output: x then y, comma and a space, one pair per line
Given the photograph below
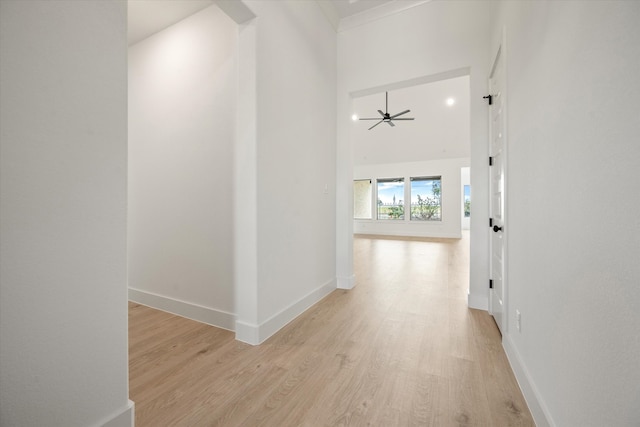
347, 282
210, 316
245, 251
257, 334
407, 232
539, 411
330, 13
124, 417
247, 332
279, 320
500, 56
379, 12
237, 10
505, 180
417, 81
479, 302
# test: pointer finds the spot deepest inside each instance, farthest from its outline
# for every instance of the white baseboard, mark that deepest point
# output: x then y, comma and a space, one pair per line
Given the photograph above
480, 302
247, 332
124, 417
210, 316
257, 334
406, 233
347, 282
538, 409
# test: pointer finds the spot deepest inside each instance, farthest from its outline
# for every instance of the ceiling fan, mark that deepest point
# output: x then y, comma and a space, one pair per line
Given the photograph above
385, 117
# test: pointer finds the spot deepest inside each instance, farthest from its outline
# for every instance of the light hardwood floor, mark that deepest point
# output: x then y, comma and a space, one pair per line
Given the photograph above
400, 349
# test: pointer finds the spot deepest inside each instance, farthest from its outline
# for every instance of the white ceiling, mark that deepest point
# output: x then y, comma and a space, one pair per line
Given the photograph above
439, 131
147, 17
345, 14
346, 8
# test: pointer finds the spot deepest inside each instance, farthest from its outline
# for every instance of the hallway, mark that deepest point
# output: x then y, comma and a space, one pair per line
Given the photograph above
399, 349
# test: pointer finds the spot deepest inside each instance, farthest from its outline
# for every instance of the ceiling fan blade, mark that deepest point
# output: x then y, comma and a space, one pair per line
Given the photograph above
385, 116
399, 114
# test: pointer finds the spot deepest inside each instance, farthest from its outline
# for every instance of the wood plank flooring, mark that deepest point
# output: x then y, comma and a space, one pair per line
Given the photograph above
400, 349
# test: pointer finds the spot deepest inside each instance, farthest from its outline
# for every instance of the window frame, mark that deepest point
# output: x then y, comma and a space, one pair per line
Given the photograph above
401, 203
439, 215
370, 201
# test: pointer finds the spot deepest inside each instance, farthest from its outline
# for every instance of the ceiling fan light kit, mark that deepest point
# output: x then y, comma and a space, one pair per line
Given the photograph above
386, 117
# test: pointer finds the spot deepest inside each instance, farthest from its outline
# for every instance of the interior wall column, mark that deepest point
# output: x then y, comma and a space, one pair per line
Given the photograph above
245, 179
344, 194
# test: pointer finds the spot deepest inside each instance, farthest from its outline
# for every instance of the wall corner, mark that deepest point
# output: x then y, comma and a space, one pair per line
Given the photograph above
124, 418
479, 302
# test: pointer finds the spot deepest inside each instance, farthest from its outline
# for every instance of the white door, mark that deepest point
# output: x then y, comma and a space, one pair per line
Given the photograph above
497, 135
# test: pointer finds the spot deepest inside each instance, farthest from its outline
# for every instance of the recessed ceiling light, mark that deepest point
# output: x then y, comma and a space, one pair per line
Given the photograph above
354, 117
450, 101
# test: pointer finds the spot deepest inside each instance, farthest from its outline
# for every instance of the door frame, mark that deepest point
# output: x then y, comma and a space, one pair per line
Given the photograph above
500, 53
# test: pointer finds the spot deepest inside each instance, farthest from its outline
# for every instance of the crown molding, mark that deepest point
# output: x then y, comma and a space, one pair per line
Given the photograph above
376, 13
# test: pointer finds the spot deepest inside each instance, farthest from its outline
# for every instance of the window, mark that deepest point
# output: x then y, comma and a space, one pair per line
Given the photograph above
390, 198
362, 199
426, 199
467, 201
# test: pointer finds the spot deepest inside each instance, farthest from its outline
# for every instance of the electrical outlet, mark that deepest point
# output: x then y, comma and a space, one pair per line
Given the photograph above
518, 320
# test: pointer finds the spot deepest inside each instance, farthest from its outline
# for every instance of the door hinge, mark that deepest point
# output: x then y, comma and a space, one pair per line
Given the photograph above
490, 284
490, 222
490, 161
489, 97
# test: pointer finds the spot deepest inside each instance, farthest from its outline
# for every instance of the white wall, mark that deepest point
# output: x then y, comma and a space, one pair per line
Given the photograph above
182, 118
447, 169
295, 155
572, 204
281, 256
432, 39
63, 309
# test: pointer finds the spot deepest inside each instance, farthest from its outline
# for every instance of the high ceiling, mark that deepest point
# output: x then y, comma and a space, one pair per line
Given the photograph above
439, 131
344, 14
346, 8
147, 17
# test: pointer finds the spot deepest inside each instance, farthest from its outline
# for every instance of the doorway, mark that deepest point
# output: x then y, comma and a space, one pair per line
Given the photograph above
421, 159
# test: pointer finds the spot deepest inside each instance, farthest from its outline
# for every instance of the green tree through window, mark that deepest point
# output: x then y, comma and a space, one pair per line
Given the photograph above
467, 201
426, 196
390, 198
